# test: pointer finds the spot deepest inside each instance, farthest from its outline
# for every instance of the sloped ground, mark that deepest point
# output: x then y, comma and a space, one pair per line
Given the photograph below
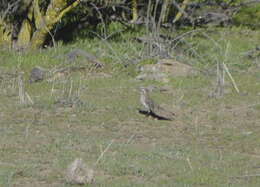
212, 142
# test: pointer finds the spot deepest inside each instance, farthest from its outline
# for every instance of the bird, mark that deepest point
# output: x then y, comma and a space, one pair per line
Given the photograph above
153, 109
145, 99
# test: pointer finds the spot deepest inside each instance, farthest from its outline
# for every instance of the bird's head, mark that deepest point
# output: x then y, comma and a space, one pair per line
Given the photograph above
144, 90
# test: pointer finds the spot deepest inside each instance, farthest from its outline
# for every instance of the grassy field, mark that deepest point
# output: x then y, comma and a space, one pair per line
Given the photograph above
212, 142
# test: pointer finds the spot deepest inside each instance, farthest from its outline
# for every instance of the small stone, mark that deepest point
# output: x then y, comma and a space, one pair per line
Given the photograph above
79, 173
37, 74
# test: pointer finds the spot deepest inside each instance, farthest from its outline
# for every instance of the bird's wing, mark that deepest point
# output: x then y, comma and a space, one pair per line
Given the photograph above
162, 113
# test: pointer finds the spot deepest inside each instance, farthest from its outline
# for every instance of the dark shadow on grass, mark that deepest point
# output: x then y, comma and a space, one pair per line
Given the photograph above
152, 114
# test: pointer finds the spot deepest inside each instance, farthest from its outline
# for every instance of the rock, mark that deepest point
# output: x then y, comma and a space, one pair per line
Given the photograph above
165, 69
76, 53
175, 68
79, 173
69, 102
37, 74
161, 77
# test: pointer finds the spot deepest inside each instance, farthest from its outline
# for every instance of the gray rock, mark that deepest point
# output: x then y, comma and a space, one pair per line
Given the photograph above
76, 53
37, 74
164, 70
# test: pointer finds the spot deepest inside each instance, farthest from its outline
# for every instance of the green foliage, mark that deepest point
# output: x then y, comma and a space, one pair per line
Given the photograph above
147, 61
211, 142
248, 16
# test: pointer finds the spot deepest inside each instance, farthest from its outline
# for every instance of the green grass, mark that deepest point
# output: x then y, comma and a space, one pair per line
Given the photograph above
212, 142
